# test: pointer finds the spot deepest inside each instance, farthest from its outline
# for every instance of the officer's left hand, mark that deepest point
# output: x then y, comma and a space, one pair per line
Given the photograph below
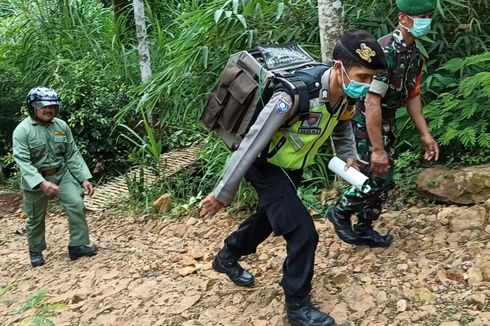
89, 189
210, 206
431, 148
351, 162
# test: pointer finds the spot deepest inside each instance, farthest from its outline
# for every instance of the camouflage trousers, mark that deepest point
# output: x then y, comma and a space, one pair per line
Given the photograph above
369, 205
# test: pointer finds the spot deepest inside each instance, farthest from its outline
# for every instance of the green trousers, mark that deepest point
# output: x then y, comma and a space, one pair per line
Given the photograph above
71, 197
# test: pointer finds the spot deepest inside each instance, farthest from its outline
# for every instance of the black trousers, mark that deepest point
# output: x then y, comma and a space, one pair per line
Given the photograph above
280, 210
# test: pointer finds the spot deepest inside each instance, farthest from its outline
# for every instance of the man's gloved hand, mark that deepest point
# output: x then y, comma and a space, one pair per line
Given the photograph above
49, 189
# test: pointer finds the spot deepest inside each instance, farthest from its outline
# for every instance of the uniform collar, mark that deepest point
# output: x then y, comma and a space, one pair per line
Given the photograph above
325, 89
33, 121
325, 86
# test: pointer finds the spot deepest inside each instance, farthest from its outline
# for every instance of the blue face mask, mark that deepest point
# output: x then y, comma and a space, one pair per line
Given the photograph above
354, 89
421, 26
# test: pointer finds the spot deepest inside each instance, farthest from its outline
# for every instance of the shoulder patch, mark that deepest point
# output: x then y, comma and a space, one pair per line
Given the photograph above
59, 133
283, 104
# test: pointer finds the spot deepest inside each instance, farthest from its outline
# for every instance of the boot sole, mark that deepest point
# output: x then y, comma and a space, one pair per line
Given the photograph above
37, 264
221, 270
376, 245
75, 257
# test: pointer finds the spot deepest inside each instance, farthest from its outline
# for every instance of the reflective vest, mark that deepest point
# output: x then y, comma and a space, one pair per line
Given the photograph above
295, 147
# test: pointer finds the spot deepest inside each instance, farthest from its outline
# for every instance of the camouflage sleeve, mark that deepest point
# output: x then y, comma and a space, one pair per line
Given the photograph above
415, 91
74, 160
343, 140
22, 156
381, 81
271, 118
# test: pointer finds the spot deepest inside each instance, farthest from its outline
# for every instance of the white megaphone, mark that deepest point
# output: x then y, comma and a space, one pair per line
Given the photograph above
351, 175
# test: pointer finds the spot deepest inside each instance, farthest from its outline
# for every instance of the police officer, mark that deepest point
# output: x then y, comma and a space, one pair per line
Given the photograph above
51, 165
272, 157
396, 86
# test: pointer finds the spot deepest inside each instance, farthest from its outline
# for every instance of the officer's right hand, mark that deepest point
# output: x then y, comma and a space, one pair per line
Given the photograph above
379, 162
210, 206
49, 189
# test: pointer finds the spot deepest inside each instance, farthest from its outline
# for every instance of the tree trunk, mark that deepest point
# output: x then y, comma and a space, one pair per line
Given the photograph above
331, 25
143, 49
141, 35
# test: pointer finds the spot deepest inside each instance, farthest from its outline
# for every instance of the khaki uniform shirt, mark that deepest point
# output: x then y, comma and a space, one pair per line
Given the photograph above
38, 147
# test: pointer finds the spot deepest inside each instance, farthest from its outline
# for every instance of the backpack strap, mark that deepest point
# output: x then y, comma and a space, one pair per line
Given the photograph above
299, 90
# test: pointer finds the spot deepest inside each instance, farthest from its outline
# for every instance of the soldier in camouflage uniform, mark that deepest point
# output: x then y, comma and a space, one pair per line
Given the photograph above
373, 124
51, 166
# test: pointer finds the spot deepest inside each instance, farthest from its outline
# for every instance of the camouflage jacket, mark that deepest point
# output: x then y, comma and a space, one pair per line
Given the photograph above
401, 79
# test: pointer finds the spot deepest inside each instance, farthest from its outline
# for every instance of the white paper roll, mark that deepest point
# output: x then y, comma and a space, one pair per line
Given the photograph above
351, 175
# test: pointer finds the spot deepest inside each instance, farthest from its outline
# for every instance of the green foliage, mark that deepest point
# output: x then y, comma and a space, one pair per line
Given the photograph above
36, 310
9, 105
79, 48
91, 98
194, 44
407, 168
69, 45
460, 27
11, 170
7, 287
148, 149
318, 175
455, 72
459, 116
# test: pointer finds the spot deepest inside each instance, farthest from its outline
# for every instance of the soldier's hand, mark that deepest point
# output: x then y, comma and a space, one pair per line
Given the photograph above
210, 206
89, 189
379, 162
431, 148
351, 162
49, 189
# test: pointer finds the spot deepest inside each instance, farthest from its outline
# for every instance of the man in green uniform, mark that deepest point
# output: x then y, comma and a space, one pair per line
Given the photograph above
272, 157
51, 165
396, 86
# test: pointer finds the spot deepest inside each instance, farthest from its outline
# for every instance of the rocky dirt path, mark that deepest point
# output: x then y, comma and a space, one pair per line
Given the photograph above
158, 272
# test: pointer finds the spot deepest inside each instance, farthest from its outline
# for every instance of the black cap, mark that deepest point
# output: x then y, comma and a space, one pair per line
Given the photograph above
363, 48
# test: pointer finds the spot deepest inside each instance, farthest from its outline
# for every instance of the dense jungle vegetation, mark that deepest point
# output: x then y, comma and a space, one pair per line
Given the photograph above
87, 50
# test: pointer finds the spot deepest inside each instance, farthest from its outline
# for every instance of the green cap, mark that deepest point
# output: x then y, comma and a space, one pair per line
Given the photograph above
416, 7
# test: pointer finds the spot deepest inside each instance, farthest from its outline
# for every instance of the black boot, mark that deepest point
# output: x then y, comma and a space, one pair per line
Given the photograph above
303, 313
227, 262
76, 252
342, 225
37, 258
370, 237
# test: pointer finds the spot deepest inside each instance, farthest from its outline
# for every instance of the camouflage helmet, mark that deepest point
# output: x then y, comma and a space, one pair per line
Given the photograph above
39, 97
